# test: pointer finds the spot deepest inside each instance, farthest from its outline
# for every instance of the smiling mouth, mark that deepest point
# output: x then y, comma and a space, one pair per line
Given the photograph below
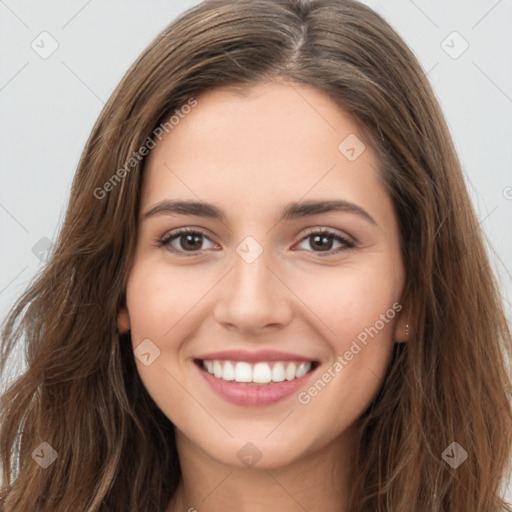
256, 374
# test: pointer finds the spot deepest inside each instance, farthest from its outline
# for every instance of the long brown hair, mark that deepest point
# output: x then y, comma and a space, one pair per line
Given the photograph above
451, 382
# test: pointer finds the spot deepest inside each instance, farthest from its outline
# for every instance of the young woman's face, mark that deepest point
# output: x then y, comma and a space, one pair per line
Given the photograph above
292, 264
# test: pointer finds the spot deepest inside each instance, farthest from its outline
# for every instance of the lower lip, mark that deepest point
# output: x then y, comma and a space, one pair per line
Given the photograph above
253, 395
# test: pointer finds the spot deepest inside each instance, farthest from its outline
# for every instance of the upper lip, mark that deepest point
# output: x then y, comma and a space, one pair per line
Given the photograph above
254, 357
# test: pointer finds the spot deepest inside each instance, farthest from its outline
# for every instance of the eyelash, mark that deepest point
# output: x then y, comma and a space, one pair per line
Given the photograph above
165, 241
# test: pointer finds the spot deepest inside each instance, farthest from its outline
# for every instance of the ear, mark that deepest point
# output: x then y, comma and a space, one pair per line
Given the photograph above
402, 332
123, 320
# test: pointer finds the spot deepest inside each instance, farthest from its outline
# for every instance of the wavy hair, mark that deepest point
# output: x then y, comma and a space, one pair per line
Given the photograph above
451, 382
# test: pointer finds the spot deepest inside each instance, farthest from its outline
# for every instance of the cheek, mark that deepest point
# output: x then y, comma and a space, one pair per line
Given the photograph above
359, 308
159, 298
161, 303
350, 300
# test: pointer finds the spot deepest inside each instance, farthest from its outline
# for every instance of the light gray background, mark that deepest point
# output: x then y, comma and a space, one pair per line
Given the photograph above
48, 106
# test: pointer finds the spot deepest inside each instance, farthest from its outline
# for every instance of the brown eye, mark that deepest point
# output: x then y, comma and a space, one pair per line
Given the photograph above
190, 241
183, 241
323, 240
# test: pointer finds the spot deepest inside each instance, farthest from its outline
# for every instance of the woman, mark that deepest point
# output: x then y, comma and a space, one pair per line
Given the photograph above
332, 345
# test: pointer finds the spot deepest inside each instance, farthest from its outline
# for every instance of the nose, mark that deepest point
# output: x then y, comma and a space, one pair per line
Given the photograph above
253, 297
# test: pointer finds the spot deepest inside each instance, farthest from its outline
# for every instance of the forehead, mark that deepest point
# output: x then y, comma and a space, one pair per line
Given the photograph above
273, 142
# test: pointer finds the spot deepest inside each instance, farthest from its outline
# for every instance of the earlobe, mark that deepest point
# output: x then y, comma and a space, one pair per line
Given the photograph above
123, 321
403, 326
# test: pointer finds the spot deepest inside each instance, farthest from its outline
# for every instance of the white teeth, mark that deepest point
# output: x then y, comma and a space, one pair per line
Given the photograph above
302, 369
243, 372
229, 371
262, 374
217, 369
259, 373
291, 371
278, 374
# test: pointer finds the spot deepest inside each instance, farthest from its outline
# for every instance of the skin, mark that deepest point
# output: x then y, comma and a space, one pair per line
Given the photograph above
251, 154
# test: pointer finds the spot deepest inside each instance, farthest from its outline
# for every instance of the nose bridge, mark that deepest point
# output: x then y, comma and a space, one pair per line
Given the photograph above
251, 280
252, 296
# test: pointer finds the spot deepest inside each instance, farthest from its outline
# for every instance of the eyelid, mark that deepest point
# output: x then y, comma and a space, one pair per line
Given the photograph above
328, 231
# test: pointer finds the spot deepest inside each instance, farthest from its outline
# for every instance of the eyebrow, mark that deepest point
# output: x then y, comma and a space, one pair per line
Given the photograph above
290, 212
